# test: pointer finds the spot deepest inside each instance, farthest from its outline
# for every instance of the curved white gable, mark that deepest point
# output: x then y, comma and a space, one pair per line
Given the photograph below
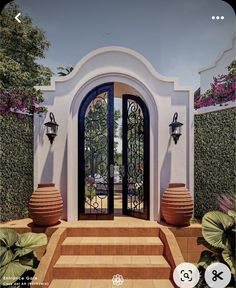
119, 55
162, 95
219, 66
221, 55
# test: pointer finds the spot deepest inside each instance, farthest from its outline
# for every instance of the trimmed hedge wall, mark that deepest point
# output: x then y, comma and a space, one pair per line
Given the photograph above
16, 166
214, 158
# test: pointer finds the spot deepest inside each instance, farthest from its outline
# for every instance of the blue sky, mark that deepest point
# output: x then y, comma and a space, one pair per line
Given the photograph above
178, 37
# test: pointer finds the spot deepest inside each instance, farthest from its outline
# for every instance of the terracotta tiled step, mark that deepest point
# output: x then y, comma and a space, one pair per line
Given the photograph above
104, 267
107, 283
112, 246
113, 232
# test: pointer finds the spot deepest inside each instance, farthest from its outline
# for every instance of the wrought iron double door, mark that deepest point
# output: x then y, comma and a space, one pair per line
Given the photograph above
96, 155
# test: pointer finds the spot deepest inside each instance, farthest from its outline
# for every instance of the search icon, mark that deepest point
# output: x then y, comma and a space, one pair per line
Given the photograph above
186, 275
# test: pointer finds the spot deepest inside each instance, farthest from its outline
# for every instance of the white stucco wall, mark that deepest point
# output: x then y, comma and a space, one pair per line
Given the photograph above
163, 96
218, 67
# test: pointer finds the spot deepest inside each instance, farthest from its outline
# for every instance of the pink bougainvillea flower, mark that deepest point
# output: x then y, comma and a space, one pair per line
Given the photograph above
21, 102
223, 90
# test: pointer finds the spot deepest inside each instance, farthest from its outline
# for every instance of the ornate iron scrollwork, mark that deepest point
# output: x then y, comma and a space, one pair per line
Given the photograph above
135, 155
96, 156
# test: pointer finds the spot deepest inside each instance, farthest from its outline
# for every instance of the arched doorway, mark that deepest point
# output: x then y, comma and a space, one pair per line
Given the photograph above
97, 155
163, 97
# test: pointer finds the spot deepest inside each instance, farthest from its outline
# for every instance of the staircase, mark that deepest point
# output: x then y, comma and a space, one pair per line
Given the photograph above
91, 256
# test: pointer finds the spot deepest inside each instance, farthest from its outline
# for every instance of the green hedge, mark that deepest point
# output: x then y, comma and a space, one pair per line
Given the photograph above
214, 158
16, 166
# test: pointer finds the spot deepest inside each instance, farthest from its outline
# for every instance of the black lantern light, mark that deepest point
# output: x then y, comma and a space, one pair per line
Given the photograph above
175, 128
51, 128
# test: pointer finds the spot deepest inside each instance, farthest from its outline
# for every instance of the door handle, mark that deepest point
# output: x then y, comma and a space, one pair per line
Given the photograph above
111, 172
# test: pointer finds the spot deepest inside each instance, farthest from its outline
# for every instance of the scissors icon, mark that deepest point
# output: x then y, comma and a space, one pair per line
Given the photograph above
216, 275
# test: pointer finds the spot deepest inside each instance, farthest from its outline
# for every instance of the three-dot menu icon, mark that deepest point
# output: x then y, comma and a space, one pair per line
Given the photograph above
217, 17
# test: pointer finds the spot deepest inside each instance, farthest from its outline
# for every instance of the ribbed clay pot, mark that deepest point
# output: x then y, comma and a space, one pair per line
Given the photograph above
45, 206
177, 205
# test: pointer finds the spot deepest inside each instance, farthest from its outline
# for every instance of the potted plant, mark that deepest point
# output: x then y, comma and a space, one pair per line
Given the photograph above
46, 205
177, 205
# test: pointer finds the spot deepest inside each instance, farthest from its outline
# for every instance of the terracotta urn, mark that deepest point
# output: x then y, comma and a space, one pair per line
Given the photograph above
45, 205
177, 205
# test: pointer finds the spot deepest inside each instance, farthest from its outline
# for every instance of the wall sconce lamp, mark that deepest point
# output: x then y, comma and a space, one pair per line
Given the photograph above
51, 128
175, 128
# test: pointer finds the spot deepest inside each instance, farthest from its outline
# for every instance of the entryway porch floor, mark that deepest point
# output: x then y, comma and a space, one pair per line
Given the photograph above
119, 221
26, 225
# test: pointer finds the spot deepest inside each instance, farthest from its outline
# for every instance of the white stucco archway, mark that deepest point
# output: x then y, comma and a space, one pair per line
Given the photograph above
162, 95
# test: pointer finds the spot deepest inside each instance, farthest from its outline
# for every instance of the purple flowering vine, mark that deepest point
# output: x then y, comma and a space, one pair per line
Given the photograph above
223, 90
21, 102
